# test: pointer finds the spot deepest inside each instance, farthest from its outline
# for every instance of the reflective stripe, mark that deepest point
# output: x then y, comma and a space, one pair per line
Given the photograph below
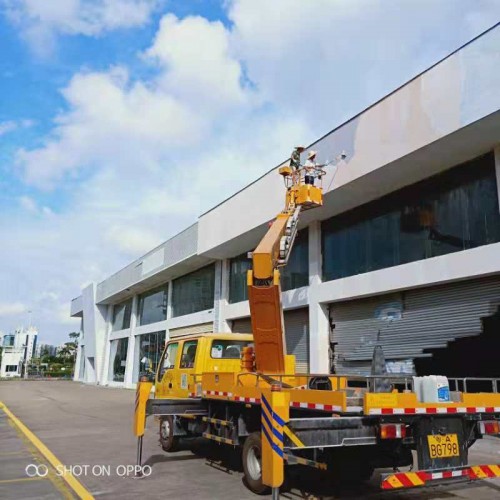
432, 410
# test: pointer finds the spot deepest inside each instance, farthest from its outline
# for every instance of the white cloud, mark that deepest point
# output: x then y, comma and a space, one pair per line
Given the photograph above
329, 59
41, 21
143, 157
6, 127
12, 125
200, 67
28, 203
132, 240
12, 309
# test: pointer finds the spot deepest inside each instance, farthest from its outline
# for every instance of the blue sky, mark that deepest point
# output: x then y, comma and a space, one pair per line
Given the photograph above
108, 106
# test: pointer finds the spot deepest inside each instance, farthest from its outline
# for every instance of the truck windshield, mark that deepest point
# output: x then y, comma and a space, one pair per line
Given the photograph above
228, 349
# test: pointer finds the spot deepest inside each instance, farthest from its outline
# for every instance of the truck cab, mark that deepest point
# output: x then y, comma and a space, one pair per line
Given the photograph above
186, 357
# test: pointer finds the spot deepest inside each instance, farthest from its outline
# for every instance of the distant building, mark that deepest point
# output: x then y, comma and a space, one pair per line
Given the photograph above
17, 350
45, 350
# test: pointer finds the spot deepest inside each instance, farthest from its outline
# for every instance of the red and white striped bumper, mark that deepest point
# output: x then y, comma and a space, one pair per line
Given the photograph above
426, 478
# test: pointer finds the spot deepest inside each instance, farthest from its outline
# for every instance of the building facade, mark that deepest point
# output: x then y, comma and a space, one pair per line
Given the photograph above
405, 251
17, 350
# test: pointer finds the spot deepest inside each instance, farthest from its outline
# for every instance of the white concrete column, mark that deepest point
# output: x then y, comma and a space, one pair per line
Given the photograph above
129, 369
221, 296
169, 300
78, 361
319, 328
315, 258
497, 169
104, 379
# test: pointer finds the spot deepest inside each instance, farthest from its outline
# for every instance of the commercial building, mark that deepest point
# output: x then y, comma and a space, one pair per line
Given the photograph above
17, 350
45, 350
405, 251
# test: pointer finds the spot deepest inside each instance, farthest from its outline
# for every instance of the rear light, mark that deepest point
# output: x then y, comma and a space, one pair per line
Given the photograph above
392, 431
489, 427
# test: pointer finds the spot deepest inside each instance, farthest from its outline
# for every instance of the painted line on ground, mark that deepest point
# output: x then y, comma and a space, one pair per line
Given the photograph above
72, 482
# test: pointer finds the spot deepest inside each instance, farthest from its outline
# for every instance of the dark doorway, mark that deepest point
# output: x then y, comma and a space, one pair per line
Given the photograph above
477, 356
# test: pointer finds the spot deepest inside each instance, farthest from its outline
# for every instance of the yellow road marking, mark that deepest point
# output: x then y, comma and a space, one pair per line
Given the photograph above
58, 483
72, 482
23, 479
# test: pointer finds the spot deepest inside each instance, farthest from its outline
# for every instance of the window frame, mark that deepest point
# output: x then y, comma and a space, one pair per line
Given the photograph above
185, 345
231, 342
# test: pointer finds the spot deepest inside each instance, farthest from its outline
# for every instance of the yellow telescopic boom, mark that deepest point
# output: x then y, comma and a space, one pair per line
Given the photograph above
263, 279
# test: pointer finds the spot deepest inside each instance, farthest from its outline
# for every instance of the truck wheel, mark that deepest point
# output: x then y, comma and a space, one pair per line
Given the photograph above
168, 441
252, 464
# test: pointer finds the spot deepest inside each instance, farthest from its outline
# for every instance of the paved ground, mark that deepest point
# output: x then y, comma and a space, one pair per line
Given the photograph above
86, 425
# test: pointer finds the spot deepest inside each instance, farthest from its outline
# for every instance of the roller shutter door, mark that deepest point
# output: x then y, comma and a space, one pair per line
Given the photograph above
297, 335
193, 329
242, 325
410, 323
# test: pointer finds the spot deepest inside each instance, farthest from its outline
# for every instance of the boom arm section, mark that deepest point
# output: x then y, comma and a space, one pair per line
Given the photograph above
263, 280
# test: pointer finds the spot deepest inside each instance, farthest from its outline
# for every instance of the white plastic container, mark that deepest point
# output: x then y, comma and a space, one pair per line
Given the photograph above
417, 388
434, 389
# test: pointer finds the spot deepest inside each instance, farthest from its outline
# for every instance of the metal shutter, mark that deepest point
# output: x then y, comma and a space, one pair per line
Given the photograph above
185, 330
429, 318
242, 325
297, 337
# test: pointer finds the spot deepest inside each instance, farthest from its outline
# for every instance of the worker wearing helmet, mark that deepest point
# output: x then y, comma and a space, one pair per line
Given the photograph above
295, 157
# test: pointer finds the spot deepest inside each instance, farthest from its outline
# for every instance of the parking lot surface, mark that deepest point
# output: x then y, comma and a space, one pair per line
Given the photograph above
89, 429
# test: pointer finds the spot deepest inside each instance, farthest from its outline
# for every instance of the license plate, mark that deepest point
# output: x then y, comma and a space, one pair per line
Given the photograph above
443, 445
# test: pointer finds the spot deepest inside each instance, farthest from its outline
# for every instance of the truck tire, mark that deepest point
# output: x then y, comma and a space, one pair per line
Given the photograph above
168, 441
252, 464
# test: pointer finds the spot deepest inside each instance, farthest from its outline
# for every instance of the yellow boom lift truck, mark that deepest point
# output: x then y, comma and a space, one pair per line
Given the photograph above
242, 391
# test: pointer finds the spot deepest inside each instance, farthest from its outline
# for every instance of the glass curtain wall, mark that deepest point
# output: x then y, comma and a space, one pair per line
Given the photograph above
153, 305
294, 275
194, 292
118, 359
121, 315
238, 267
450, 212
150, 350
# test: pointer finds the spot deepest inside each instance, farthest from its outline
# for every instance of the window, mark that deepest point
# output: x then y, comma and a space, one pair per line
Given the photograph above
169, 359
153, 306
296, 273
118, 356
11, 368
449, 212
188, 354
150, 348
121, 315
8, 340
228, 349
194, 292
238, 268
